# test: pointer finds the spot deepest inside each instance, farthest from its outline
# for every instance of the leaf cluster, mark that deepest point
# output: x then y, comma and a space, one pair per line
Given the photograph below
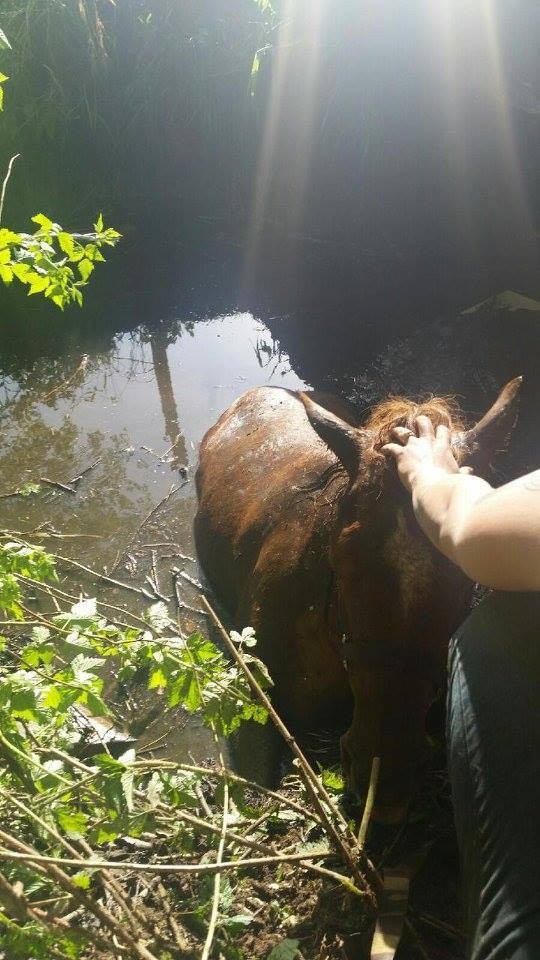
53, 262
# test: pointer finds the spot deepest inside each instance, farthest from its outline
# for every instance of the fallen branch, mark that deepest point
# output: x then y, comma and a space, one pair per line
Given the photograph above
86, 470
161, 868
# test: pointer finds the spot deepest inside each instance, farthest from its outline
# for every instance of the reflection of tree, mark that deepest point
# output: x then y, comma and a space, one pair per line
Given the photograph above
162, 372
40, 437
270, 352
108, 500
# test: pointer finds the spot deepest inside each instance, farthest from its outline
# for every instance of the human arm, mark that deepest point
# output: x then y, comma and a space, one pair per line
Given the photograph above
492, 534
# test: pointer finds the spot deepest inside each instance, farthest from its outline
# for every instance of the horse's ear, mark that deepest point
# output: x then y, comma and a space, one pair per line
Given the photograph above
488, 437
346, 441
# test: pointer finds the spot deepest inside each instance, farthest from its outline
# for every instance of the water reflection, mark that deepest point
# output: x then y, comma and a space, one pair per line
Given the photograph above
137, 412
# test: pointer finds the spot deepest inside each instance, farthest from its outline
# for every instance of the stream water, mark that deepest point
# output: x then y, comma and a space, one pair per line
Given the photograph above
134, 414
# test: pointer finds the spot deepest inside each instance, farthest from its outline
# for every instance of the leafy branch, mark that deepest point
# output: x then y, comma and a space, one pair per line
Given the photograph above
71, 808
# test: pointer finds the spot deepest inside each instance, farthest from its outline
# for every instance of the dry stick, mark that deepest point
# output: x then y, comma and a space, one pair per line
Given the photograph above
155, 571
155, 590
48, 535
202, 800
56, 483
66, 883
18, 905
5, 183
217, 879
370, 800
212, 828
176, 930
319, 795
161, 868
103, 577
86, 470
191, 580
168, 543
53, 591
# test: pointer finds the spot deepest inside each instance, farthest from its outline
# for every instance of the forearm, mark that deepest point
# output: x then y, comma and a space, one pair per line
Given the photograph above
443, 503
492, 534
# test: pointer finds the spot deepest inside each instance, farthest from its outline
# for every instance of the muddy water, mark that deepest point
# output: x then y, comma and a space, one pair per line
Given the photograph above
129, 420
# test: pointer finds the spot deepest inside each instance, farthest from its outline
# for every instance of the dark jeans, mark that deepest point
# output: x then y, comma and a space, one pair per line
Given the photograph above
494, 761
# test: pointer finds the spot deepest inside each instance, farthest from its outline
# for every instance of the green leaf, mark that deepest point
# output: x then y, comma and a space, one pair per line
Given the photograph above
105, 762
71, 822
82, 880
333, 780
255, 65
38, 285
28, 489
85, 609
66, 243
286, 950
4, 45
99, 224
97, 706
43, 221
85, 268
158, 679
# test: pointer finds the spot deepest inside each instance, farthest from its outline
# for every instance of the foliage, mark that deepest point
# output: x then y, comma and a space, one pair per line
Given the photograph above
45, 261
18, 560
55, 761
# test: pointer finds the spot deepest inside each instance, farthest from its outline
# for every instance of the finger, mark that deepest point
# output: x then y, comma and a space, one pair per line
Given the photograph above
401, 434
425, 427
443, 433
392, 449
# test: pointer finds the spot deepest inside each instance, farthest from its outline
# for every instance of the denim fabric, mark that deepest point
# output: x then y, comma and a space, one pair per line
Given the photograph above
494, 762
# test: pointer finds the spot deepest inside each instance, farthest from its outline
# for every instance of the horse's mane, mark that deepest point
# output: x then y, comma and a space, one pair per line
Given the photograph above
402, 412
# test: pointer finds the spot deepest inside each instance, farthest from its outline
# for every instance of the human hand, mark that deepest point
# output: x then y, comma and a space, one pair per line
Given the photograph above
426, 454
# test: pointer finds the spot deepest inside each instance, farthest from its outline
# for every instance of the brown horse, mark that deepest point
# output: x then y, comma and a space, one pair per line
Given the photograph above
307, 535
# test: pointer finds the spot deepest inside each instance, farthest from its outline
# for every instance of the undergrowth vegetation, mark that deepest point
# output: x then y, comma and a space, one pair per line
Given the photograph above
108, 851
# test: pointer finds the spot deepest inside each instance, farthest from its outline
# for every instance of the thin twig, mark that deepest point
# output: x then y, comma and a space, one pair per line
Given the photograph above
86, 470
370, 800
5, 183
53, 869
233, 778
103, 577
162, 868
176, 930
217, 879
56, 483
146, 520
65, 383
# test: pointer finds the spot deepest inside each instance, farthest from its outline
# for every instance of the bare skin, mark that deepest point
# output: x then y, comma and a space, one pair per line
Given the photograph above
492, 534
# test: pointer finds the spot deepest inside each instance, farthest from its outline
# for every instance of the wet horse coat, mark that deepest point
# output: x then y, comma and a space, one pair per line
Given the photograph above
307, 536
